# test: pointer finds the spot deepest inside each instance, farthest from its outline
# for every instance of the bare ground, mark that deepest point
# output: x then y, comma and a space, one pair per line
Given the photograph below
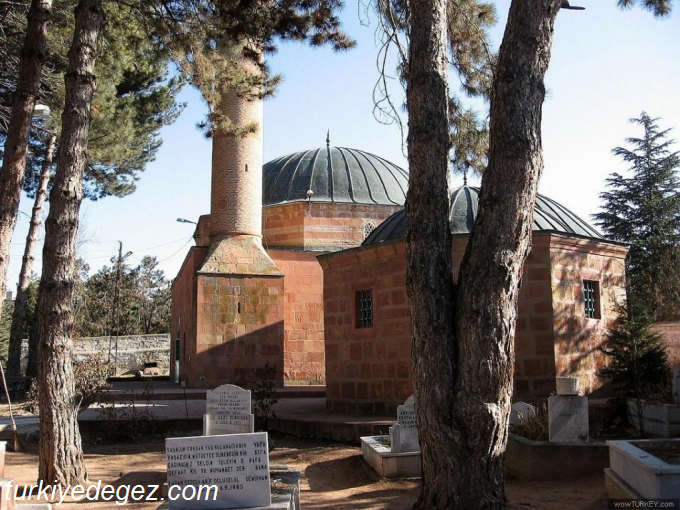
334, 477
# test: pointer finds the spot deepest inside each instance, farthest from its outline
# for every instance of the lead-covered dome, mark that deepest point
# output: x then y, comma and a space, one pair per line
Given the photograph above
334, 174
549, 216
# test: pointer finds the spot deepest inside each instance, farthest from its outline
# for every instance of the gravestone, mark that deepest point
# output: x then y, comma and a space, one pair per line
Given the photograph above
521, 411
676, 384
228, 411
236, 464
404, 433
568, 419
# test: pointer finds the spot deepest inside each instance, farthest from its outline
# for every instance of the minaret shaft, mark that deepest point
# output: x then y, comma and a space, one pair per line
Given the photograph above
236, 194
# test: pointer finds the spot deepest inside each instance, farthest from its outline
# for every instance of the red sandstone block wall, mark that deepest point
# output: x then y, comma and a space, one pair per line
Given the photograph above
534, 338
368, 370
320, 226
577, 338
303, 337
183, 310
671, 334
239, 328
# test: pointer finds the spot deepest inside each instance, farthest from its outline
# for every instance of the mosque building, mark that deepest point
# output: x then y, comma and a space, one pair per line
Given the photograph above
301, 264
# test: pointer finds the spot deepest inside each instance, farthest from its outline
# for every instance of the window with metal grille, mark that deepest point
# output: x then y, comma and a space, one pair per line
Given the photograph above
364, 308
591, 298
369, 226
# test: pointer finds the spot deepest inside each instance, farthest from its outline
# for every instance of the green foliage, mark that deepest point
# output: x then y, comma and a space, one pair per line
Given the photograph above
638, 364
6, 319
5, 329
264, 394
660, 8
142, 307
133, 100
470, 55
643, 209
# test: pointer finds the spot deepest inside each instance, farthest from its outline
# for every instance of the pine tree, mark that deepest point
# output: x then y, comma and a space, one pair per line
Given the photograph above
463, 337
467, 31
643, 209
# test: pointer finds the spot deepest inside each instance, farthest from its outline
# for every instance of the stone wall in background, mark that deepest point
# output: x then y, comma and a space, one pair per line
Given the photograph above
133, 351
671, 333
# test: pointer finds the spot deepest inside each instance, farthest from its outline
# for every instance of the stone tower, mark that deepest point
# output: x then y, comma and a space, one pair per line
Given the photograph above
236, 192
239, 289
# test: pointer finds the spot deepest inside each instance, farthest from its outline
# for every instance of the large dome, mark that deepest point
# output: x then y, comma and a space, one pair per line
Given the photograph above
549, 216
334, 174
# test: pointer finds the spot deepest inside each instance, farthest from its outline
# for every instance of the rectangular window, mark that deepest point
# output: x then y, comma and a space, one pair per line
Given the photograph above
364, 308
591, 298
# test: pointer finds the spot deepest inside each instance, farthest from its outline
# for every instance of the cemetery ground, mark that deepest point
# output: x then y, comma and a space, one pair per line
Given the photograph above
334, 475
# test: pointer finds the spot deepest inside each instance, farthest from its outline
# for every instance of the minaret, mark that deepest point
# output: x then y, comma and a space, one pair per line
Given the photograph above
236, 190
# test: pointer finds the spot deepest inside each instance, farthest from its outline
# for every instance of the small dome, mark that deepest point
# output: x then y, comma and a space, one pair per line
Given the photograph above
334, 174
549, 216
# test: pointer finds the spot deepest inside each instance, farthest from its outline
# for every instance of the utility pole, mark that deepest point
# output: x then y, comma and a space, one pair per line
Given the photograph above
115, 326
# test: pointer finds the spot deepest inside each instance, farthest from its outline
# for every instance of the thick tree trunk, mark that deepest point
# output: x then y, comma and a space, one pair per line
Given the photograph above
19, 315
428, 247
16, 144
61, 455
463, 380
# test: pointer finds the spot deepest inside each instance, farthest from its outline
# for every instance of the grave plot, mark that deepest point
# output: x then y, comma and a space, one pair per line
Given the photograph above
568, 452
402, 457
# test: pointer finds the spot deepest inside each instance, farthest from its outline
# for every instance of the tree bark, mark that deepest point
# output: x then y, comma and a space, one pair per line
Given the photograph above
464, 358
61, 455
16, 144
19, 315
428, 248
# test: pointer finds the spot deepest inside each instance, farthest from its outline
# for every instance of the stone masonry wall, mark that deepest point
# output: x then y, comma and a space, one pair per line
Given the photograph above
303, 342
239, 328
320, 226
577, 338
183, 314
671, 334
368, 371
133, 351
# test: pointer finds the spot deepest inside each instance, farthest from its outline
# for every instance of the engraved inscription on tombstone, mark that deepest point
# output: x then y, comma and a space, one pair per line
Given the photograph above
404, 433
228, 399
231, 470
228, 411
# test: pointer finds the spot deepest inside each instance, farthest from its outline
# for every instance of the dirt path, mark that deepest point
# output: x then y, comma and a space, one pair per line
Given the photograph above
334, 477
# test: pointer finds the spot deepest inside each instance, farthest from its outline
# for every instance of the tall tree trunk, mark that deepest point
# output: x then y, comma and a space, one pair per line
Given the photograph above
16, 144
463, 381
428, 249
61, 456
19, 315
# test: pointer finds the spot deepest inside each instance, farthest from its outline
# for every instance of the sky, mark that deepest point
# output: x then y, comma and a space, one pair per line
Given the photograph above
607, 66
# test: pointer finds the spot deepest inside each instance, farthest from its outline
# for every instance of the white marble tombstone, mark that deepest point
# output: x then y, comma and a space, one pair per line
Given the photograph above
232, 470
404, 433
228, 411
521, 411
568, 419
